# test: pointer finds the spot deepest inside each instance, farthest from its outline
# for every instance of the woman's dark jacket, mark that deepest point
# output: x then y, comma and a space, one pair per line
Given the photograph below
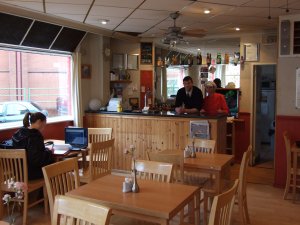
37, 155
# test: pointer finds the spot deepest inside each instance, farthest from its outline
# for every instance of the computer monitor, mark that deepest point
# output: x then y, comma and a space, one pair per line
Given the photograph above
76, 136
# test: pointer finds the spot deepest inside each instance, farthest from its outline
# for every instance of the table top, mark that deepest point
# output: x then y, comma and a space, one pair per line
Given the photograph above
208, 161
156, 199
213, 161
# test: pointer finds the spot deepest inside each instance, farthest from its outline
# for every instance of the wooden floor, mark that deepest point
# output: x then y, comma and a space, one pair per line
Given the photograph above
266, 206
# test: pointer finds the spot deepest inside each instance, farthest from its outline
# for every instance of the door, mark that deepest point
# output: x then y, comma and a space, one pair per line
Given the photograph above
264, 114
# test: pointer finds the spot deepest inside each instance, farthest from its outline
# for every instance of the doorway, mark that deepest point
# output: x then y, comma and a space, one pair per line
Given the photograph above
264, 114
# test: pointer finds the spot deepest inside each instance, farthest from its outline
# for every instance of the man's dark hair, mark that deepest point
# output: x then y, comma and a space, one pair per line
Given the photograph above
217, 81
187, 78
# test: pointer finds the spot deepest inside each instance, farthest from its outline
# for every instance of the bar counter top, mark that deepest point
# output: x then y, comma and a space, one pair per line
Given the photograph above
161, 114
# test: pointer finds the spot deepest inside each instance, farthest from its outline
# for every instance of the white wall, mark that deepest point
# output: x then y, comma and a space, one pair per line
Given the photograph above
92, 52
268, 55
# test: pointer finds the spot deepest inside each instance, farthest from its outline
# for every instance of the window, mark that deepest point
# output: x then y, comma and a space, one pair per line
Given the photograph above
32, 82
175, 76
227, 73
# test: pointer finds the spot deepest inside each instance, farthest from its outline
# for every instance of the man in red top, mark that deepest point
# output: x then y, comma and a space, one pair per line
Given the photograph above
214, 102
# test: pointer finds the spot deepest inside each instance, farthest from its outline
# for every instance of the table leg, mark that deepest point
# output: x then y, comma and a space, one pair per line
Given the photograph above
191, 211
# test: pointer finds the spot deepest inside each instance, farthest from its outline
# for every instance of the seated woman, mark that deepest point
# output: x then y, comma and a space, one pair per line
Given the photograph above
31, 138
214, 102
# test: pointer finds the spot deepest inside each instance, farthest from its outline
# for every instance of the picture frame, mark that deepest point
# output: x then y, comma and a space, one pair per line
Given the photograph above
132, 62
146, 53
86, 71
118, 61
251, 52
134, 103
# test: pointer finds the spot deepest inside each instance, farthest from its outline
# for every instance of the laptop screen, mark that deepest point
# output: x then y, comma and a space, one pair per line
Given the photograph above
76, 136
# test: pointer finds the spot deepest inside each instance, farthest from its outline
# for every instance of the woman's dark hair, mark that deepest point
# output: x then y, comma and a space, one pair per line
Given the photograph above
31, 118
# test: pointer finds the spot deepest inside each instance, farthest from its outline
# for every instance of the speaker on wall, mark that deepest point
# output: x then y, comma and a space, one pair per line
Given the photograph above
285, 37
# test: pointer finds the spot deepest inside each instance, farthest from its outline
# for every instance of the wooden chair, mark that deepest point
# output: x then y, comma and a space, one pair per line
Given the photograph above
69, 211
222, 205
175, 159
209, 189
291, 169
100, 161
13, 165
150, 170
60, 178
99, 134
203, 145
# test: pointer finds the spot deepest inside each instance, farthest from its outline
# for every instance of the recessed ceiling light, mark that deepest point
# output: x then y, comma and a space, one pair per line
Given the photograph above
198, 49
104, 21
237, 28
207, 11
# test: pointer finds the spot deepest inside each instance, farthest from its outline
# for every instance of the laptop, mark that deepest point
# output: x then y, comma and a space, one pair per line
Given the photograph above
76, 137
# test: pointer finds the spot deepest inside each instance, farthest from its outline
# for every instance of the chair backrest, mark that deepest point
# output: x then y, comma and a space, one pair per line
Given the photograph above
222, 205
151, 170
13, 165
203, 145
69, 211
100, 159
99, 134
175, 159
60, 178
243, 172
287, 142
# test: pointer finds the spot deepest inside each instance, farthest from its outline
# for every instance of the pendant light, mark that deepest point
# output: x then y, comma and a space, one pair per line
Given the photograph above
287, 10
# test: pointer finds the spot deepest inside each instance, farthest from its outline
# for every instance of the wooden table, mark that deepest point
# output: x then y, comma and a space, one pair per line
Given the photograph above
215, 164
59, 157
156, 202
295, 150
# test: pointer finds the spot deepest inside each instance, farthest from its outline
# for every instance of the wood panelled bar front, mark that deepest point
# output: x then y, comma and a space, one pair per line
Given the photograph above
152, 132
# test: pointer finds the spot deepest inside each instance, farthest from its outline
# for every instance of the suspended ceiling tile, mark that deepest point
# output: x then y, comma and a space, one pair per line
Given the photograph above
119, 3
97, 24
138, 29
77, 17
36, 5
228, 2
150, 14
169, 5
139, 22
242, 11
78, 2
265, 3
53, 8
112, 21
199, 8
110, 11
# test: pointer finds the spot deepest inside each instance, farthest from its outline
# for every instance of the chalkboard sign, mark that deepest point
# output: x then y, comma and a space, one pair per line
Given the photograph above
146, 53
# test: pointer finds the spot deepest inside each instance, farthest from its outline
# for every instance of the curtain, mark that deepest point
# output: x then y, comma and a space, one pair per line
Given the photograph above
76, 90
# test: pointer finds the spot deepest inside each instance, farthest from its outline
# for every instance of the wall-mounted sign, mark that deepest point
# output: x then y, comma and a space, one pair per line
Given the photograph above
251, 52
146, 53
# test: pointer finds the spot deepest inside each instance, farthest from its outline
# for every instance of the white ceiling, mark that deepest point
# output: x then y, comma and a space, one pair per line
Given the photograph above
150, 18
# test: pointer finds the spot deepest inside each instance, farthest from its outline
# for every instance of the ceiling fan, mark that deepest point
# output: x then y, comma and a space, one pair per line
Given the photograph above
174, 34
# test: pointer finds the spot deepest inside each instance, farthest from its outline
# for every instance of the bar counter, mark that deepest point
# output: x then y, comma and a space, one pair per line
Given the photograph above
152, 131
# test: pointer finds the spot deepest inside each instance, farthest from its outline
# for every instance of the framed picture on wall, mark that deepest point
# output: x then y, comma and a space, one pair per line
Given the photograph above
86, 71
146, 53
251, 52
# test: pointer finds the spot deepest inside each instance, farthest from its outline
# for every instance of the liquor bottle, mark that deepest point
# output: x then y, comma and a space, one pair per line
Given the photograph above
226, 58
219, 58
199, 59
208, 60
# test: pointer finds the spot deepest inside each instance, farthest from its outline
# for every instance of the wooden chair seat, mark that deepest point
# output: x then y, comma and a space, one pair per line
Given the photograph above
60, 178
13, 164
100, 161
222, 205
209, 189
291, 169
69, 210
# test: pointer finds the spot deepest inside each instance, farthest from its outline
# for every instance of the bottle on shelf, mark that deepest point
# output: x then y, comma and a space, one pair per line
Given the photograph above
199, 59
208, 59
219, 58
226, 58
